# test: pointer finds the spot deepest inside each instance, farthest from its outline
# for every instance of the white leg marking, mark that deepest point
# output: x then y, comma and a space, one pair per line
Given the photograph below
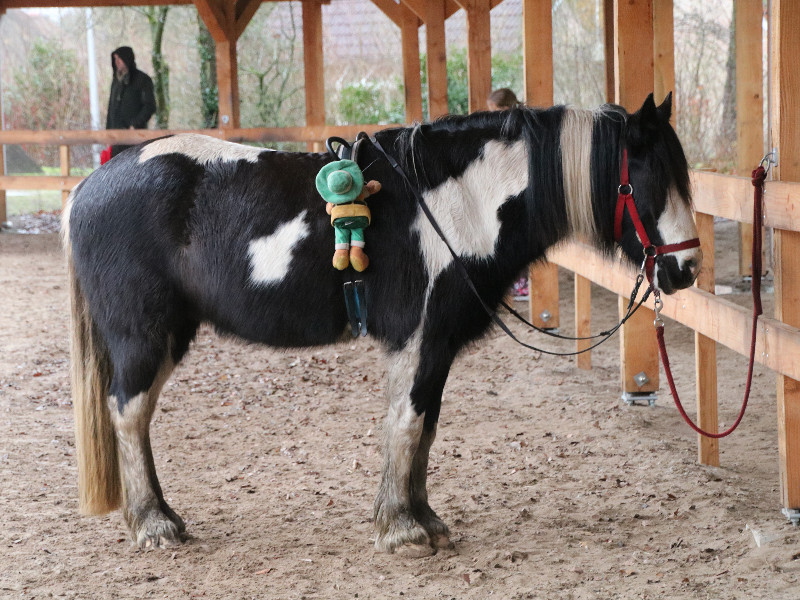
201, 148
576, 159
466, 207
271, 256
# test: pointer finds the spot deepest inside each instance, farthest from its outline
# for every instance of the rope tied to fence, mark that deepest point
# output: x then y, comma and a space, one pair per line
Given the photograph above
759, 175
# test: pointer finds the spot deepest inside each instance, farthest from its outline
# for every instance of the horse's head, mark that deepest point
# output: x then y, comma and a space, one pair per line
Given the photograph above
659, 182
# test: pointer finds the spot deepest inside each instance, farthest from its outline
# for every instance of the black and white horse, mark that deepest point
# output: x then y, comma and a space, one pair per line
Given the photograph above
189, 229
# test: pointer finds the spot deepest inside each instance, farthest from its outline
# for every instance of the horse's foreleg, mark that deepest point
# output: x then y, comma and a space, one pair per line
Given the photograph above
151, 521
403, 518
438, 532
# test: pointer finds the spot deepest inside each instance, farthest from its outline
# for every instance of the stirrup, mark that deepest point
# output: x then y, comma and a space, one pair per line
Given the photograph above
355, 299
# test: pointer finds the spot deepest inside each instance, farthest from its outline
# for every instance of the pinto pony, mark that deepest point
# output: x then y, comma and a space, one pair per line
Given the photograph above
189, 229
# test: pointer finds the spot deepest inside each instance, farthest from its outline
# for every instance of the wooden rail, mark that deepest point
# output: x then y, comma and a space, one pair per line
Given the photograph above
66, 139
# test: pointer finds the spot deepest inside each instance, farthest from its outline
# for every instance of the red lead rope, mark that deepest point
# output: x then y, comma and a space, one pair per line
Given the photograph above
758, 177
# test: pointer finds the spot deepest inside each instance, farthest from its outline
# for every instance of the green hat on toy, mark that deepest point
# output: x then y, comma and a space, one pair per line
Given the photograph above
340, 181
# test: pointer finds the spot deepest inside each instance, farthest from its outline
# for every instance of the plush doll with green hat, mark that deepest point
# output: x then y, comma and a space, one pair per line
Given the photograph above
341, 184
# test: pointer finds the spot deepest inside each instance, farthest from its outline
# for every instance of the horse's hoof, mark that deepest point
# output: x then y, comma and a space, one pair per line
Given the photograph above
442, 542
415, 550
158, 531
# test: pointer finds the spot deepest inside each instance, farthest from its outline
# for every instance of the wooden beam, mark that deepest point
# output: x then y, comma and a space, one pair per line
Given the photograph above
749, 106
64, 161
392, 10
785, 134
228, 83
45, 182
664, 49
245, 11
633, 76
633, 59
314, 66
3, 207
610, 51
583, 320
215, 19
479, 52
777, 344
705, 353
732, 198
537, 49
137, 136
437, 58
412, 78
537, 52
543, 295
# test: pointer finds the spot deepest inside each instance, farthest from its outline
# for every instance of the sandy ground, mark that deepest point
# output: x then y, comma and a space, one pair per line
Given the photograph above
551, 486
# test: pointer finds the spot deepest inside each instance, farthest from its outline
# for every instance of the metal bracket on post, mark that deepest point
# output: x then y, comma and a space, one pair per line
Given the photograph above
545, 316
792, 514
631, 398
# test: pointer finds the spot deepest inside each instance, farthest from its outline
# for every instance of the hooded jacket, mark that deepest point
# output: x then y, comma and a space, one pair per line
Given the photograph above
132, 101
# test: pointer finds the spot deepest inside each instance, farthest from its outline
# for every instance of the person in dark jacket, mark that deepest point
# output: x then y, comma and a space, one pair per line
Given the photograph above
132, 101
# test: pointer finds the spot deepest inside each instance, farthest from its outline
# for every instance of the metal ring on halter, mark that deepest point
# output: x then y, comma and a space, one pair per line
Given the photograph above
622, 185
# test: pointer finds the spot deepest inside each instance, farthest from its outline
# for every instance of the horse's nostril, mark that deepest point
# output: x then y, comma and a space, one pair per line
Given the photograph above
691, 264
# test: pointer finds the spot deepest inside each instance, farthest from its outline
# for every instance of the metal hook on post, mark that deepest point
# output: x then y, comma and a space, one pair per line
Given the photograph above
770, 159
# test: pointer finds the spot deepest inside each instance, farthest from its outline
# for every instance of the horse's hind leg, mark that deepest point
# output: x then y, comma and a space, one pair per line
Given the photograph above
134, 392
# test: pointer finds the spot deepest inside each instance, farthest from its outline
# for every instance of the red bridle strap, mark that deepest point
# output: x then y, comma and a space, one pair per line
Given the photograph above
625, 200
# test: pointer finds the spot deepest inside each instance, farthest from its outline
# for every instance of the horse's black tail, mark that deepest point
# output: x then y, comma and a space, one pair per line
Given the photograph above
99, 484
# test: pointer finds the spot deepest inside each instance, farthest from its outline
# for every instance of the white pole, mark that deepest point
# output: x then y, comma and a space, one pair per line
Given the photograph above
94, 101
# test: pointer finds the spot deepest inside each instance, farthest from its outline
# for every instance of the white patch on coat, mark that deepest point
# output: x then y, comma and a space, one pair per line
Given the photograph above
271, 256
200, 148
576, 155
466, 207
676, 224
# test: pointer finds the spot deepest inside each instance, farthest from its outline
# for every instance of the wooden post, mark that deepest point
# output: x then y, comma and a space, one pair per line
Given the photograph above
633, 77
749, 107
537, 47
437, 58
785, 132
226, 21
64, 159
705, 353
479, 52
3, 208
314, 68
608, 35
664, 48
412, 83
583, 319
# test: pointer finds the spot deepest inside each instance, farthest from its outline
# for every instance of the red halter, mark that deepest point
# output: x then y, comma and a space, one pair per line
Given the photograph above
626, 200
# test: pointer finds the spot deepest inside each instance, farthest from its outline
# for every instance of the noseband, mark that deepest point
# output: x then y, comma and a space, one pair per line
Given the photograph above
625, 200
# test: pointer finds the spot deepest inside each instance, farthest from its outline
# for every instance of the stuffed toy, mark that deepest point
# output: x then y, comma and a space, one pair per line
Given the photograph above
341, 184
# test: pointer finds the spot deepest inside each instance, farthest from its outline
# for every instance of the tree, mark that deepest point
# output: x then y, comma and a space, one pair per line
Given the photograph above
157, 18
49, 92
209, 93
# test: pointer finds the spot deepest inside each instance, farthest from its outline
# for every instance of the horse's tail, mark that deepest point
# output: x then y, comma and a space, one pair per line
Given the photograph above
99, 484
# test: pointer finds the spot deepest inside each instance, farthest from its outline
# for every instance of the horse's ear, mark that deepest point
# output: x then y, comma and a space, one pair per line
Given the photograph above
665, 109
643, 125
648, 111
